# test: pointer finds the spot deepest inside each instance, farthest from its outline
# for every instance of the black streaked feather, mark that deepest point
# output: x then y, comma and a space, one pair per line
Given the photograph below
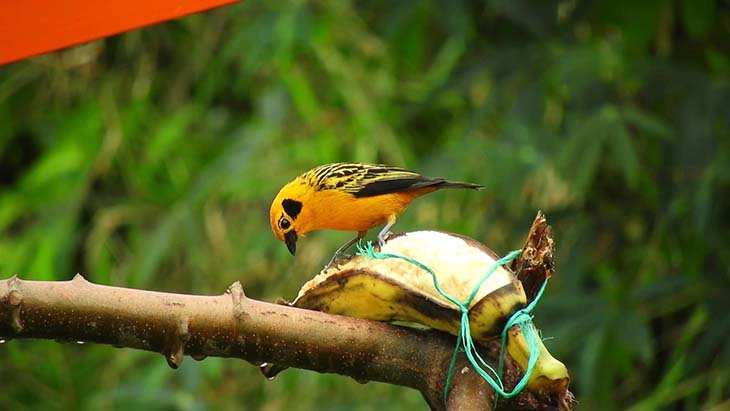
377, 188
366, 180
393, 186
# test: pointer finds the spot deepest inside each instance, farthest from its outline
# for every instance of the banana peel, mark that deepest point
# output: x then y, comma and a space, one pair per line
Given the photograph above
395, 290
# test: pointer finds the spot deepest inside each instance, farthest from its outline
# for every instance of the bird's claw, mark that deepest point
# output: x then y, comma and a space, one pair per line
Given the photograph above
381, 239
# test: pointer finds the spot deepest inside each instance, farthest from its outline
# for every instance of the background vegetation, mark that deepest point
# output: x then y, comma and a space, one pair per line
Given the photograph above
150, 159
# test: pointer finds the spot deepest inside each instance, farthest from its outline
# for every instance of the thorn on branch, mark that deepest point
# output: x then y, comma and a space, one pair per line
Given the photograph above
175, 358
237, 295
236, 289
15, 299
176, 350
79, 278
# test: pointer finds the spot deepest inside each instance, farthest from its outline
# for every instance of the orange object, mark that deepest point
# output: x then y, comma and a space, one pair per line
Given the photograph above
31, 27
351, 197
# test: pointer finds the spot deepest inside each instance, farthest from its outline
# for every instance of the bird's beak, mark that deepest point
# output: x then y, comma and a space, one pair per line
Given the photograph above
290, 238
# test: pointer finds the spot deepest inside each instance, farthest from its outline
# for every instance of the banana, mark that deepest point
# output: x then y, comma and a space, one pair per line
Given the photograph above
395, 290
549, 376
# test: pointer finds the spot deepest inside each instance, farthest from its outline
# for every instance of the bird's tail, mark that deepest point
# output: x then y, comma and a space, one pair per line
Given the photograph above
457, 184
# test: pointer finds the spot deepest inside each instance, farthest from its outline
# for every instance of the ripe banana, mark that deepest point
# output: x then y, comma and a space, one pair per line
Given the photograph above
396, 290
392, 289
549, 376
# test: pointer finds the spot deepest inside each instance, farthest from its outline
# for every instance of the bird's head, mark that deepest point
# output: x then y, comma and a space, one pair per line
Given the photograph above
283, 217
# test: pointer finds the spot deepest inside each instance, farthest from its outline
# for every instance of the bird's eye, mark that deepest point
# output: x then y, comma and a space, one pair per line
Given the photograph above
284, 224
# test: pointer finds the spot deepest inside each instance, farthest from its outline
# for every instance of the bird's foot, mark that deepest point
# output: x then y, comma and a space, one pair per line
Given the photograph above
383, 237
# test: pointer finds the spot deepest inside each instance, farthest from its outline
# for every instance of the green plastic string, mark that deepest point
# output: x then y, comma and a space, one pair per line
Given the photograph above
464, 341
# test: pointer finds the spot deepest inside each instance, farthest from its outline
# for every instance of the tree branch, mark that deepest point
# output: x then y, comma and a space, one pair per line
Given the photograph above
231, 325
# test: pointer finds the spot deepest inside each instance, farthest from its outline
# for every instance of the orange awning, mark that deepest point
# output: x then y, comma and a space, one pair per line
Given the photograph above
31, 27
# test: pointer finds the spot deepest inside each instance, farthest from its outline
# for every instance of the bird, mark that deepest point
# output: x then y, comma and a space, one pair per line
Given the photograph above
350, 197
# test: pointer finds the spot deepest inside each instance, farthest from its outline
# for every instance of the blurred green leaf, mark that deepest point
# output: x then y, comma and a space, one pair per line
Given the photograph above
638, 21
698, 16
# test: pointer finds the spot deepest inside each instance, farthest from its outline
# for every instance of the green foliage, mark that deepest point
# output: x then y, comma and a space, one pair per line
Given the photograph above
149, 160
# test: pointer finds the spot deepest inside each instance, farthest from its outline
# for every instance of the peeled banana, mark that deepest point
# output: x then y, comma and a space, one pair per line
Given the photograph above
392, 289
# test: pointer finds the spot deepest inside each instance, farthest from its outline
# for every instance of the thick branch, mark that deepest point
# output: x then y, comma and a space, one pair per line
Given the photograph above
231, 325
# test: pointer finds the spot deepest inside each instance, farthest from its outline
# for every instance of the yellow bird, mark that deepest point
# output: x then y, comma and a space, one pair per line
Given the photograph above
351, 197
